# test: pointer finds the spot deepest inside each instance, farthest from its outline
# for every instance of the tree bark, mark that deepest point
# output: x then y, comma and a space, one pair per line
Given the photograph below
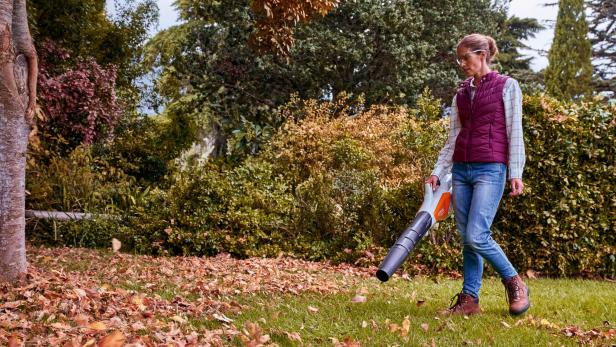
17, 102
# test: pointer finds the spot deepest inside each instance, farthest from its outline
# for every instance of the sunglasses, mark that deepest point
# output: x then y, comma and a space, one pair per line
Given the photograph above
464, 58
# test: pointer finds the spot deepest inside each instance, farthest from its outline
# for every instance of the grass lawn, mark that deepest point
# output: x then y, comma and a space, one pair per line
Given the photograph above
380, 320
81, 297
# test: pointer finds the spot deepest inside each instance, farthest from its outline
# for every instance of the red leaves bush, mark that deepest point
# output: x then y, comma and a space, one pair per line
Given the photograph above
79, 101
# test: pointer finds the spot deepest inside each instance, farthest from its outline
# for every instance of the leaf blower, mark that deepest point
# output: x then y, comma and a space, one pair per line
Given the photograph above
435, 208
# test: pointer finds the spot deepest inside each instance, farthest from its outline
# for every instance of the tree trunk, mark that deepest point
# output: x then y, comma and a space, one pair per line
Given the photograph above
17, 99
13, 144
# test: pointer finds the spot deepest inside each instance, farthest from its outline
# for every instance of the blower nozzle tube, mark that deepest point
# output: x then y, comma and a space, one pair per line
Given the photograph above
405, 245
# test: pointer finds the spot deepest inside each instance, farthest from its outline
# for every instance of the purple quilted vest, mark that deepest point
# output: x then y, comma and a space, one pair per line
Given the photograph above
483, 137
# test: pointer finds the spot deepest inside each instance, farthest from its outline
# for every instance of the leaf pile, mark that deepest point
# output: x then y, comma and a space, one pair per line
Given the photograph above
78, 297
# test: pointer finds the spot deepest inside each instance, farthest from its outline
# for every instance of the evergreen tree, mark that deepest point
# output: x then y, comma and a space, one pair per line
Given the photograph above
569, 72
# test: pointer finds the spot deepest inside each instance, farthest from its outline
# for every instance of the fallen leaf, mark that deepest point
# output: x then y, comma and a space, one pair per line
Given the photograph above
178, 319
115, 339
506, 325
313, 309
420, 303
116, 244
81, 320
359, 298
98, 326
221, 317
80, 292
393, 327
425, 327
348, 342
406, 326
60, 326
364, 324
15, 341
294, 336
531, 274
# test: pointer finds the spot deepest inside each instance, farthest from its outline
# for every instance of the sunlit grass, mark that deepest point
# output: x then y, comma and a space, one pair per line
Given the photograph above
556, 304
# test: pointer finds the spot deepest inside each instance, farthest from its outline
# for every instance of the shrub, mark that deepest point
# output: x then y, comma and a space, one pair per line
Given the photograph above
565, 222
79, 182
243, 211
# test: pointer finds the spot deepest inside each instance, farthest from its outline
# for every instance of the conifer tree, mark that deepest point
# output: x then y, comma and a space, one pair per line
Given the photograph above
569, 71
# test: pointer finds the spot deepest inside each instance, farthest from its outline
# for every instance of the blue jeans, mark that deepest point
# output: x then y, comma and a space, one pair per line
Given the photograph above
477, 191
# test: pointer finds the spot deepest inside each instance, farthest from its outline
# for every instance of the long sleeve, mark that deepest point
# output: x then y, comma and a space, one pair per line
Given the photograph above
445, 158
512, 98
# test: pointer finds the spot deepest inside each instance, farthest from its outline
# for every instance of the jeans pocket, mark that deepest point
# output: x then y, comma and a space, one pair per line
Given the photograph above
490, 173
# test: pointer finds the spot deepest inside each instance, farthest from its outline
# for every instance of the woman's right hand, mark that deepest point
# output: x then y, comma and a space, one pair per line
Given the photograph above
433, 181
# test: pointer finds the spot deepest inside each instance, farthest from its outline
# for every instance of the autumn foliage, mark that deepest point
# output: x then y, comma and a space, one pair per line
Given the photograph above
79, 102
276, 19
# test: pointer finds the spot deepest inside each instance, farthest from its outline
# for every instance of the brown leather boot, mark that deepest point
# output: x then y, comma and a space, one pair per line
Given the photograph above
517, 295
465, 304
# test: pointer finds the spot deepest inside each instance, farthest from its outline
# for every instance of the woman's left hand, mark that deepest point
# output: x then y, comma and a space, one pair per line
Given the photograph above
517, 186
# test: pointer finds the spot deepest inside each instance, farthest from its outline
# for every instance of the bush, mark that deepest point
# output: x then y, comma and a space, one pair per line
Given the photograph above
80, 182
565, 222
212, 209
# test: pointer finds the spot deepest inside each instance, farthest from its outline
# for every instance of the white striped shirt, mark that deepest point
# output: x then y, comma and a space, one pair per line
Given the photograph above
512, 98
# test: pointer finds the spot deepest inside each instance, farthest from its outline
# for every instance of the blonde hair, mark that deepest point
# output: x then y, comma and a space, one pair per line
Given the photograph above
480, 42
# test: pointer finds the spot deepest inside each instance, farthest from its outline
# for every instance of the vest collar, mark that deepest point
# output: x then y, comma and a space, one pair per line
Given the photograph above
487, 77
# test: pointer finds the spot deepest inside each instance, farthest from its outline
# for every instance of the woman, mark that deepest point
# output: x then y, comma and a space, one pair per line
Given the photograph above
485, 147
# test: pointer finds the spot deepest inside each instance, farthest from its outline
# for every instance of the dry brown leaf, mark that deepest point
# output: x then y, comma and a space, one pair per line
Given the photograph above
81, 320
531, 274
359, 298
312, 309
15, 341
115, 339
98, 326
60, 326
425, 327
406, 326
294, 336
116, 244
178, 319
221, 317
420, 303
506, 325
374, 324
347, 342
80, 292
393, 327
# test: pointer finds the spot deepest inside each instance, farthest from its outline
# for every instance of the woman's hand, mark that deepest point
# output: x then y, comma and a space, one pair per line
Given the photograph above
433, 181
517, 186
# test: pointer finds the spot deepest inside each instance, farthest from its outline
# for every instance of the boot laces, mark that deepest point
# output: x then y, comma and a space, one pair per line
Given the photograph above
512, 288
457, 301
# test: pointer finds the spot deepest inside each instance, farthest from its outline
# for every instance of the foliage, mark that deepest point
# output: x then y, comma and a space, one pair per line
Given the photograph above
83, 27
511, 32
564, 223
569, 68
243, 211
79, 103
78, 182
602, 30
276, 19
374, 51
